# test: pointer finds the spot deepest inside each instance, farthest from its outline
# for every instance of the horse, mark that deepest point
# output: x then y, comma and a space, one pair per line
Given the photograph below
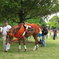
18, 30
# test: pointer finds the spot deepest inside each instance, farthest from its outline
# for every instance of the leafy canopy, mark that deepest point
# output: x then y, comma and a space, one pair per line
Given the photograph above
54, 22
21, 10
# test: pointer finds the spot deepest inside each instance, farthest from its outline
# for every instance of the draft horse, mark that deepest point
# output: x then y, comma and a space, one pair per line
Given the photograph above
18, 31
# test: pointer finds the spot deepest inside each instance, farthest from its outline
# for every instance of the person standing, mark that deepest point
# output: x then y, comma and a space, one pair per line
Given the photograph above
54, 33
44, 33
5, 29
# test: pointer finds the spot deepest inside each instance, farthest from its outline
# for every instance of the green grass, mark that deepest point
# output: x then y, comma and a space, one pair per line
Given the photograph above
51, 51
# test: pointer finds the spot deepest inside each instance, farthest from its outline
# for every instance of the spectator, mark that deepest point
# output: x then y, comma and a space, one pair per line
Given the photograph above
44, 33
54, 33
5, 29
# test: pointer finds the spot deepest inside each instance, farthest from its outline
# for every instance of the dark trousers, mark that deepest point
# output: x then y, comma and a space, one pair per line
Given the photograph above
54, 36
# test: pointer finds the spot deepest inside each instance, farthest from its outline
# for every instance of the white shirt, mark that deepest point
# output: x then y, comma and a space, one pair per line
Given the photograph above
5, 29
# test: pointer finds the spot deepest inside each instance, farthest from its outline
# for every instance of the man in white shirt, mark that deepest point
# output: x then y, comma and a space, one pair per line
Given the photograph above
5, 29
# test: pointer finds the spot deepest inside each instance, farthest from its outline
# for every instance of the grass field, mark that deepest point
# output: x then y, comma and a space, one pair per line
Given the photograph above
51, 51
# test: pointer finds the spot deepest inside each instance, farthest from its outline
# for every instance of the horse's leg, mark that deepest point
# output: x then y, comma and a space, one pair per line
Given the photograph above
19, 46
24, 42
36, 42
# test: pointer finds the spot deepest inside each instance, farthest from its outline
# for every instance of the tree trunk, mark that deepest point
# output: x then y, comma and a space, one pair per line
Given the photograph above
21, 16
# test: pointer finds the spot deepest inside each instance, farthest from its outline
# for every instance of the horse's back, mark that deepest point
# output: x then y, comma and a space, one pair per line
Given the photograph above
35, 26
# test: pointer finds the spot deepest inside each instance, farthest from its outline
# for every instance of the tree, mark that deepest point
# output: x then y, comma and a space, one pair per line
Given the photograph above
39, 21
21, 10
54, 22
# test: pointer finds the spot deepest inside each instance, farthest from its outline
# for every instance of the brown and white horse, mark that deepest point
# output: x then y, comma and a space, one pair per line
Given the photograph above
18, 31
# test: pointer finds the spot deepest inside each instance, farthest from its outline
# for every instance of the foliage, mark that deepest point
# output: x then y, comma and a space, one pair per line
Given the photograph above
38, 21
54, 22
21, 10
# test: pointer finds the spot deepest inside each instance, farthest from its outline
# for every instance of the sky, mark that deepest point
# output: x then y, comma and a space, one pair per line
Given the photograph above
50, 16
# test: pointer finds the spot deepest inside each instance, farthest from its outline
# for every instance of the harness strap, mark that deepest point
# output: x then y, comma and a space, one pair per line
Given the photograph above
19, 33
20, 36
11, 34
